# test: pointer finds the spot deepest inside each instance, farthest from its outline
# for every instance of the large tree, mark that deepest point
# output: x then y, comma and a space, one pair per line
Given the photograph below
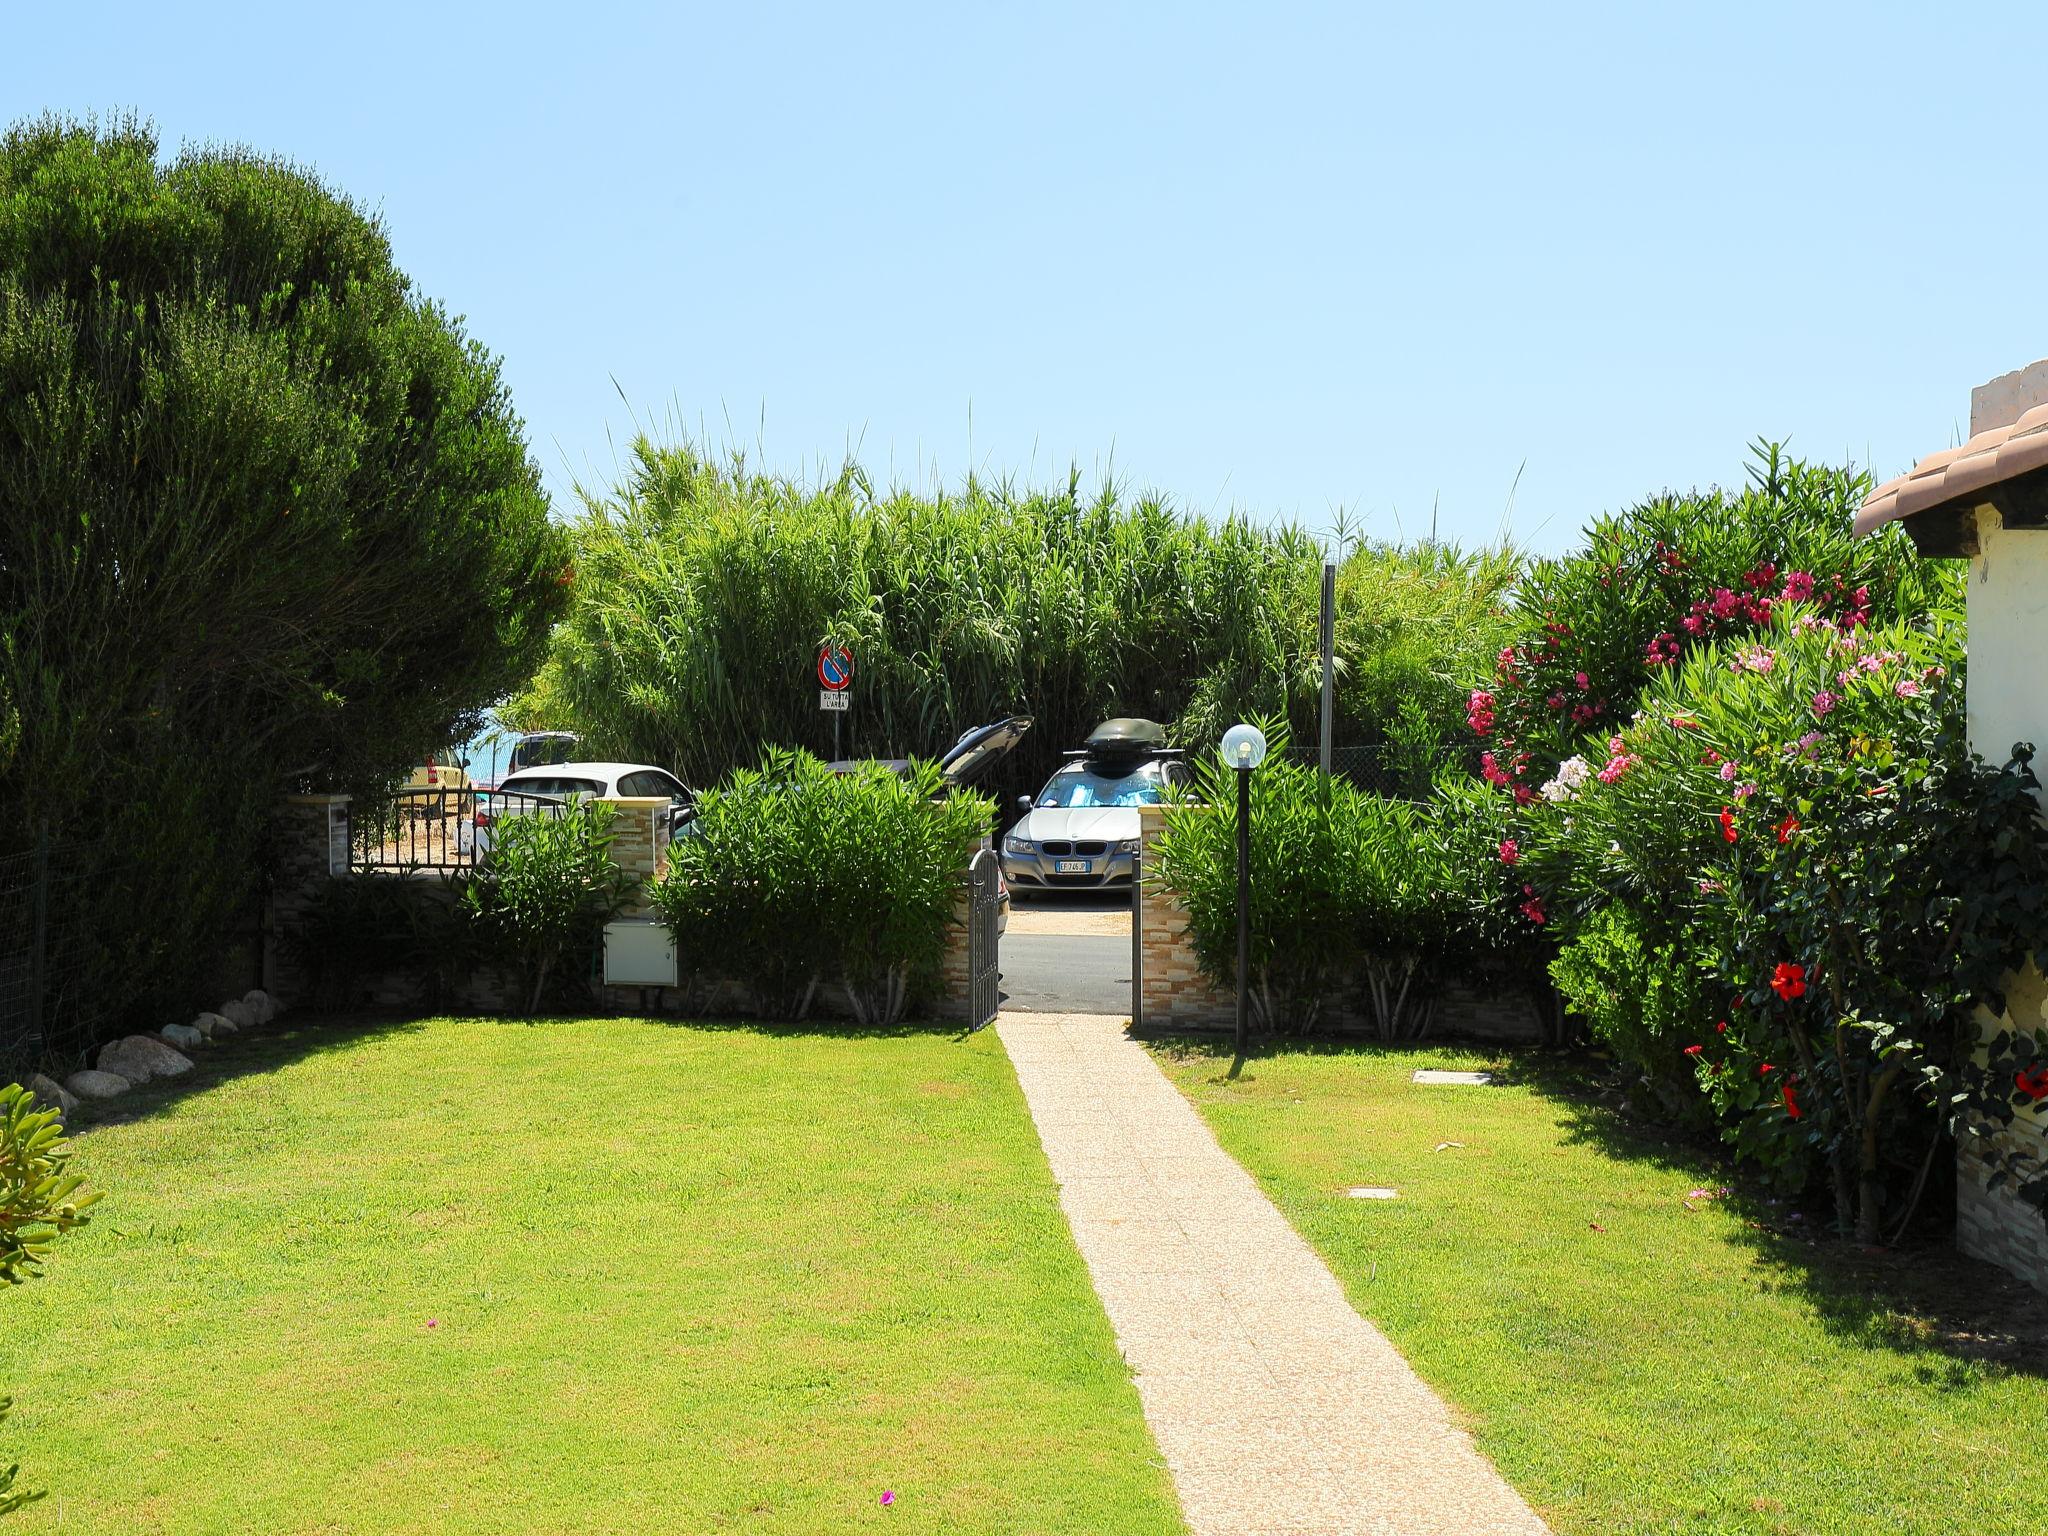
267, 519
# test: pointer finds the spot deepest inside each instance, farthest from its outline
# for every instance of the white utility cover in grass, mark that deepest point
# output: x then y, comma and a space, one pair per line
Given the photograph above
1463, 1079
1372, 1192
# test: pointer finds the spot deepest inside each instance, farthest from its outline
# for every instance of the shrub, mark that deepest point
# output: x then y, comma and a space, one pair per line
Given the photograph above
1800, 812
1347, 890
371, 926
1674, 573
39, 1201
549, 889
793, 875
270, 523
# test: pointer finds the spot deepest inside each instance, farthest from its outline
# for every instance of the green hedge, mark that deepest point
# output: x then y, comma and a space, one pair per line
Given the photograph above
793, 876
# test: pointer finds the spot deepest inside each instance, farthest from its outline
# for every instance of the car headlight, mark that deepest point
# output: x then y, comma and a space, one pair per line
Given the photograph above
1016, 845
1129, 845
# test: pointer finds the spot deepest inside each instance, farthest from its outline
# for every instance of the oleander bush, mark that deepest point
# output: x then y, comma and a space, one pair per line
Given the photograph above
792, 877
1591, 629
538, 908
40, 1201
1358, 901
1793, 852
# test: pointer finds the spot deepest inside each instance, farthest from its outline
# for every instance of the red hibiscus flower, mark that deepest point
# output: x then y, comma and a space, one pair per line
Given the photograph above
1786, 828
1727, 823
1789, 981
1721, 1028
2033, 1084
1694, 1050
1791, 1101
1765, 1067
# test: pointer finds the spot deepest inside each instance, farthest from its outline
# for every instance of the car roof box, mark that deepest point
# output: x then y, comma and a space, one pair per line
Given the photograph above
1127, 737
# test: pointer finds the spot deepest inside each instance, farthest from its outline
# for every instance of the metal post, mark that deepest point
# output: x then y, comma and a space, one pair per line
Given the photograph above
1244, 913
1138, 937
1329, 639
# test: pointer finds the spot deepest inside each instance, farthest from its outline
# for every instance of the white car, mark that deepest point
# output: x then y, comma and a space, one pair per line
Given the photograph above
538, 791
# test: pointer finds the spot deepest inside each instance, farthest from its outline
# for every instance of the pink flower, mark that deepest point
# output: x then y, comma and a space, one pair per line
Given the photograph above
1724, 604
1824, 704
1582, 680
1510, 851
1479, 712
1798, 587
1728, 772
1744, 791
1906, 688
888, 1497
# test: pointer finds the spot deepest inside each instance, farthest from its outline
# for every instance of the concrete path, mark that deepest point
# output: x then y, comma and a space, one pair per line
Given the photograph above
1280, 1411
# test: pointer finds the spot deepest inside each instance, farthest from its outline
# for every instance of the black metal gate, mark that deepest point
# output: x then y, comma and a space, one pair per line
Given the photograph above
984, 911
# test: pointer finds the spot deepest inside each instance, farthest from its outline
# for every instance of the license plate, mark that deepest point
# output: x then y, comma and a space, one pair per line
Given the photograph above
1070, 866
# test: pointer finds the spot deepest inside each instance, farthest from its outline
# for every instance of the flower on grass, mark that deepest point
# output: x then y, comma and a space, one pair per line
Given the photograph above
1786, 828
1789, 980
1727, 820
888, 1497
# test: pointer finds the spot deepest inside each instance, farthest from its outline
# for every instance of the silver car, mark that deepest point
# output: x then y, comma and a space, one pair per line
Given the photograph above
1082, 831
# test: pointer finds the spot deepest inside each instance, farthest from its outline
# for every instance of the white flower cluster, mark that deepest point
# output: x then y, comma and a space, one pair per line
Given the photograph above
1572, 774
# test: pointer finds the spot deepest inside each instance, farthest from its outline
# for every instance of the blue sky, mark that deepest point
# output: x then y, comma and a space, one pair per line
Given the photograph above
1281, 258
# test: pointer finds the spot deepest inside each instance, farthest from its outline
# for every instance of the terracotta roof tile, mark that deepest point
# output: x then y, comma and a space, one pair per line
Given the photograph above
1955, 479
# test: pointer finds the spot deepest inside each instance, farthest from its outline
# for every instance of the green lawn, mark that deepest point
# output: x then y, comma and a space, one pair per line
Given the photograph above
1629, 1364
576, 1276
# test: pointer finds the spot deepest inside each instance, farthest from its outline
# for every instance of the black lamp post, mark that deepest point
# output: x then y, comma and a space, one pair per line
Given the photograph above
1244, 748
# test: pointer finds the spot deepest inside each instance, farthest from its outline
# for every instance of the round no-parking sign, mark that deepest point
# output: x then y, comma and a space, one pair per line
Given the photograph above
835, 669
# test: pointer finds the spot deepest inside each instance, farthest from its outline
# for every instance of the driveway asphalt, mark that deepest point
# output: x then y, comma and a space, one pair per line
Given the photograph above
1066, 972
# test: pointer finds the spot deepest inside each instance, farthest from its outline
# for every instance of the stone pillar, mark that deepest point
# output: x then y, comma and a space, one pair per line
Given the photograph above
640, 845
310, 836
1176, 993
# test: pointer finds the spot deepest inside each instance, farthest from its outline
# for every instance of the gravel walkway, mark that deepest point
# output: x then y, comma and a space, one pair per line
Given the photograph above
1280, 1411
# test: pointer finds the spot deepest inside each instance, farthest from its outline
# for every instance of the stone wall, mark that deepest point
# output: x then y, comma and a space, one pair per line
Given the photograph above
1995, 1225
311, 834
1172, 992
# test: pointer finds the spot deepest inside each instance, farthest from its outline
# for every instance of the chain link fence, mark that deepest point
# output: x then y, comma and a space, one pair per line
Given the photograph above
50, 977
1394, 771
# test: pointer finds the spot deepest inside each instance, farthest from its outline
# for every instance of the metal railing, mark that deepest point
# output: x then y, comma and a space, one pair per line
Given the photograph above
438, 829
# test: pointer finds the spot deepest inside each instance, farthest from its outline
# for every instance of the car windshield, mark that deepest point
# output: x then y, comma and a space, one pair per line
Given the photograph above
541, 784
1078, 788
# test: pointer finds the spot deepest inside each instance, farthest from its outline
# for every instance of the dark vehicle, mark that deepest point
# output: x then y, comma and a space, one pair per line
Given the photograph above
968, 760
543, 749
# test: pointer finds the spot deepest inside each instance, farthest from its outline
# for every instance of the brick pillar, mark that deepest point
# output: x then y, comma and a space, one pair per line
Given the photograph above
310, 835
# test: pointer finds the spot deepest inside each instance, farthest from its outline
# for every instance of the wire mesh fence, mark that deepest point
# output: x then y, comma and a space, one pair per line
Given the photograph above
52, 983
1392, 770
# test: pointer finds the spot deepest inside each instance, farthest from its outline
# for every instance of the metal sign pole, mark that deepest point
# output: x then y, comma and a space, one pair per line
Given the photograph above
1329, 639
